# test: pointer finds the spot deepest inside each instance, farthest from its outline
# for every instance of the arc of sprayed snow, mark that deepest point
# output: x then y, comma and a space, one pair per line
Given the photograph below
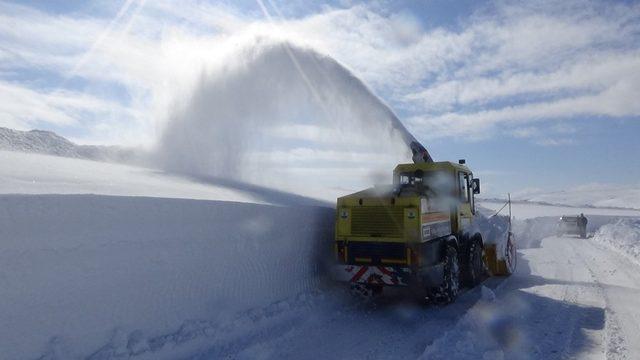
298, 67
135, 13
292, 56
419, 153
103, 35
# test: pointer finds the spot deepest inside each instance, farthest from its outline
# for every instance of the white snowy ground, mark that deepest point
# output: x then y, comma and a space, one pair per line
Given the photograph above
28, 173
23, 173
597, 195
153, 274
532, 210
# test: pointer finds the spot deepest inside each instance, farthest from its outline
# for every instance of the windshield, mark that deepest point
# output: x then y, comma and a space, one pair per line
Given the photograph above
438, 182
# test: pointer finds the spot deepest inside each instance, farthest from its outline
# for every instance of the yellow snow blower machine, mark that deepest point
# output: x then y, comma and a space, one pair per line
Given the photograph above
418, 232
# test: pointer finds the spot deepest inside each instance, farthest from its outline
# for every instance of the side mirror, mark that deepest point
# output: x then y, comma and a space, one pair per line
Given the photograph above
475, 186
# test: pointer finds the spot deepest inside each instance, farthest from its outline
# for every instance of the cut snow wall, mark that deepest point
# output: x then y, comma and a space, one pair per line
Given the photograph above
78, 266
623, 236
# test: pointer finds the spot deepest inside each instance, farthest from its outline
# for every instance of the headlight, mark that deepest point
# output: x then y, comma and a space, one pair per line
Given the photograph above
344, 213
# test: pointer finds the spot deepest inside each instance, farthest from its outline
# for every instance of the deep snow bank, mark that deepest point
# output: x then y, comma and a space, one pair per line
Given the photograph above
622, 236
530, 232
77, 269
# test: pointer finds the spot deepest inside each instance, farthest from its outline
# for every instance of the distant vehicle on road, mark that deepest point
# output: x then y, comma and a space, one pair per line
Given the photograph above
573, 225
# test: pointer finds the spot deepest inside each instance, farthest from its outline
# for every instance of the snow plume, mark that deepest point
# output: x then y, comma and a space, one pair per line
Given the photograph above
281, 115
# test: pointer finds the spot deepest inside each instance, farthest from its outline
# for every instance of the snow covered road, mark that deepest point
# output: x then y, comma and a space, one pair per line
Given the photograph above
616, 281
579, 300
570, 298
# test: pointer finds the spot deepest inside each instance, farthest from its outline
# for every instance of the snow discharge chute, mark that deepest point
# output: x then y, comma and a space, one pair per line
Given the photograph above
419, 153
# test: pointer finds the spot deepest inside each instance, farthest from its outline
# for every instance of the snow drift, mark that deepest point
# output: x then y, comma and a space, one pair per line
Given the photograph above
623, 236
75, 269
280, 115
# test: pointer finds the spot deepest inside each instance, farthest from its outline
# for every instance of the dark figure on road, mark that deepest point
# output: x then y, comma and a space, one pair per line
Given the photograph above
582, 224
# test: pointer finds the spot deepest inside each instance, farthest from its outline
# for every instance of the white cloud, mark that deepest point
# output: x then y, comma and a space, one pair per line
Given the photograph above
619, 100
555, 141
31, 38
565, 60
526, 132
594, 74
23, 106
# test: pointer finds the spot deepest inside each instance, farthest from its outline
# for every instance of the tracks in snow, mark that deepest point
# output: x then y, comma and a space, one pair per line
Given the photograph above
570, 298
597, 290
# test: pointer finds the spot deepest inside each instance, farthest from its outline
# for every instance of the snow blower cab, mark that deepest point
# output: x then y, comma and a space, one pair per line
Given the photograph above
415, 233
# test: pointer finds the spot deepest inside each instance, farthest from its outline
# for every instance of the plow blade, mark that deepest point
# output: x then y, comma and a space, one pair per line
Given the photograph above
501, 260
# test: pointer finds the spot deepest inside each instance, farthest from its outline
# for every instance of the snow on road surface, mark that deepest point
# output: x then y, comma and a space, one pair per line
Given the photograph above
153, 274
570, 298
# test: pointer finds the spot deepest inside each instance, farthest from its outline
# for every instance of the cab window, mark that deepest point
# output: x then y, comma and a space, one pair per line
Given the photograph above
424, 206
470, 195
462, 187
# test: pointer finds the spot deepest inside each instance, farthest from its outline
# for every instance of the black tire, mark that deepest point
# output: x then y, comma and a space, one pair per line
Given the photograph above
474, 269
448, 291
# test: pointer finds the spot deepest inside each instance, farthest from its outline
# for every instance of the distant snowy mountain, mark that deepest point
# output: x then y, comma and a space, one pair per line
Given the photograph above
50, 143
38, 141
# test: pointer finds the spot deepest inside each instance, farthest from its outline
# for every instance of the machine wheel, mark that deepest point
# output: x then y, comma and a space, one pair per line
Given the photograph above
474, 266
448, 290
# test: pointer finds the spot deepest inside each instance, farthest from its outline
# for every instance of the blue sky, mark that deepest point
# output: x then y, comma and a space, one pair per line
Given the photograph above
540, 95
